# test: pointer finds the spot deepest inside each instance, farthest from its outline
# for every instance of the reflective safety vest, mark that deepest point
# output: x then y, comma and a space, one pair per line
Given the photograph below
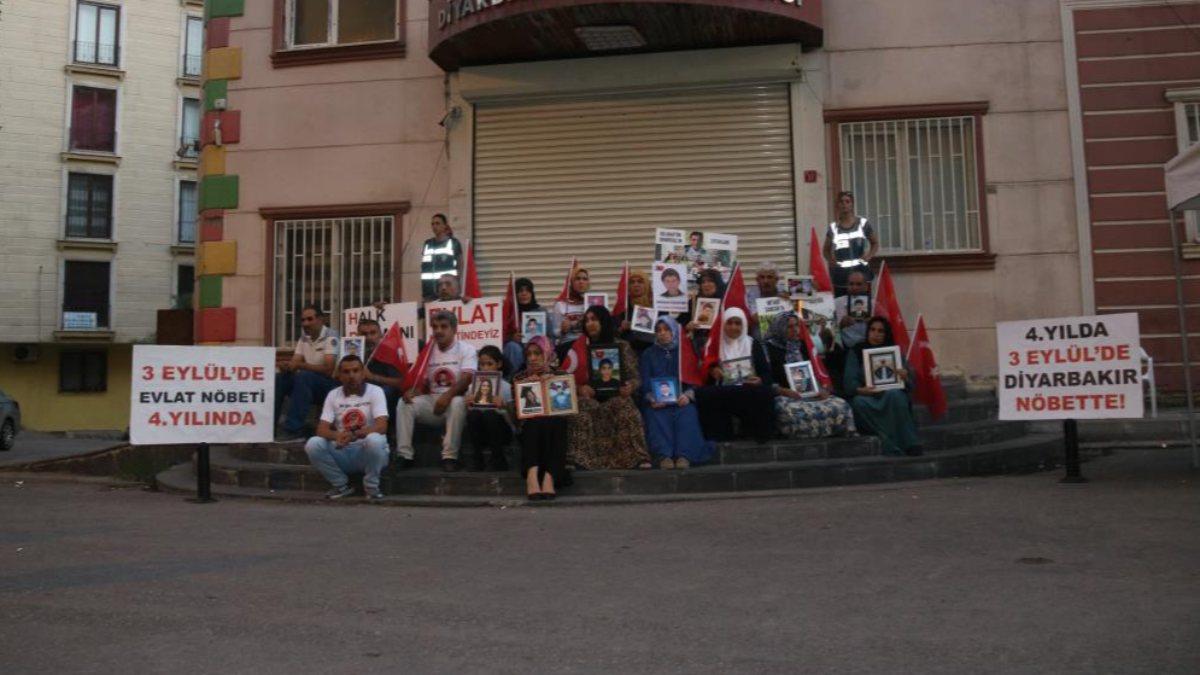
849, 246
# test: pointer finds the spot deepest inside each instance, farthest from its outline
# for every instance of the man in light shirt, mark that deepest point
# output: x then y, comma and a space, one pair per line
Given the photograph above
438, 399
352, 434
308, 376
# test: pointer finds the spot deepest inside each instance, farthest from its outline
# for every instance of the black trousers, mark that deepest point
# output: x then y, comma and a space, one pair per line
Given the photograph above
753, 404
488, 431
544, 445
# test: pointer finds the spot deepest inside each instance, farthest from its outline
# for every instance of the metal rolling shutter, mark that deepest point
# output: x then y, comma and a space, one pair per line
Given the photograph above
594, 177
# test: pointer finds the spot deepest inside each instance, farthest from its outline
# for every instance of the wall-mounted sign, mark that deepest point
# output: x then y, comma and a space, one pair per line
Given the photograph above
79, 321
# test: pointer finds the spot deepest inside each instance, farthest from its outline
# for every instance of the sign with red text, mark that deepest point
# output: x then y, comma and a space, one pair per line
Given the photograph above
1083, 367
403, 313
202, 395
479, 321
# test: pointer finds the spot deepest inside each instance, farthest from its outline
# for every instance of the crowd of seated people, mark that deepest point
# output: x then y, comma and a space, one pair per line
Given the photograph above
651, 420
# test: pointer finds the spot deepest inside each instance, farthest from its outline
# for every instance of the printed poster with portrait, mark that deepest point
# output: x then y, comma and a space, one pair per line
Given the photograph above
880, 366
544, 398
802, 379
706, 312
697, 251
351, 346
644, 319
596, 300
485, 390
670, 285
665, 390
604, 370
533, 324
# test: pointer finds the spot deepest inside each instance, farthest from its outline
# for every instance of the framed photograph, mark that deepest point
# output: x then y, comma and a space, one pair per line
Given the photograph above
706, 312
880, 365
858, 307
737, 370
533, 323
531, 399
561, 395
802, 380
352, 346
664, 390
604, 370
596, 300
485, 390
800, 286
670, 285
644, 319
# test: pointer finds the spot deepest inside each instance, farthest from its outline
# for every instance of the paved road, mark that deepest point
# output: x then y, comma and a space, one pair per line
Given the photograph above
1012, 574
34, 446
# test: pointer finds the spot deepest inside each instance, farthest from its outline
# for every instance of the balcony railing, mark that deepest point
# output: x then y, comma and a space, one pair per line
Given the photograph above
98, 53
189, 146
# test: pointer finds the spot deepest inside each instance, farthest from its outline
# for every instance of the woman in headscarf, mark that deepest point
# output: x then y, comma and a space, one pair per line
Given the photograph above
567, 317
639, 294
825, 415
608, 434
886, 414
741, 385
543, 439
672, 429
710, 284
514, 352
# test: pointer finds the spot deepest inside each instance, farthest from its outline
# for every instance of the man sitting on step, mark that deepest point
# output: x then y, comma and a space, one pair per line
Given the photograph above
448, 375
352, 434
308, 376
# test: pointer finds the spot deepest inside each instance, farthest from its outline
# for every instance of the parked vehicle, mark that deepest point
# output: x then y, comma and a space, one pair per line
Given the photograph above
10, 421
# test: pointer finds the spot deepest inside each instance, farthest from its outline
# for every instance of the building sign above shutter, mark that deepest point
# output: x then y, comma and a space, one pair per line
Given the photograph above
481, 32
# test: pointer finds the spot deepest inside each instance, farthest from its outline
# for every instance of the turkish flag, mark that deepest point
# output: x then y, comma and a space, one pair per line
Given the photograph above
817, 363
471, 276
735, 294
816, 264
390, 349
511, 320
689, 364
923, 368
565, 293
621, 306
887, 306
415, 378
575, 362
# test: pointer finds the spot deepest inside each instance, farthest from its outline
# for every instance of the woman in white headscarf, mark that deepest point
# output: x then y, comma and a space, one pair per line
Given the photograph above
740, 385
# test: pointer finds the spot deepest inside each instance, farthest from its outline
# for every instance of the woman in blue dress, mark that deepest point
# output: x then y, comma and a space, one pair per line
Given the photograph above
672, 429
888, 413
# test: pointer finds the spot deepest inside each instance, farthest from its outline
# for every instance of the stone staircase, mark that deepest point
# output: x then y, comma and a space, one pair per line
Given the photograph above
969, 441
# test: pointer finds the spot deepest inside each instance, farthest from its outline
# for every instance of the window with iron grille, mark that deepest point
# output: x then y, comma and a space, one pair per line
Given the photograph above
186, 232
93, 119
82, 371
89, 206
916, 180
334, 263
189, 128
321, 23
86, 289
96, 34
193, 46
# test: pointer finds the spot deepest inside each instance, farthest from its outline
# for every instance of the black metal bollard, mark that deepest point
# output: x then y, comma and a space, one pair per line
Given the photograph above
1071, 439
203, 477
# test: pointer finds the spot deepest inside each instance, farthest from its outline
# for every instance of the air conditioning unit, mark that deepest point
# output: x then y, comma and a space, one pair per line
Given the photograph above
25, 353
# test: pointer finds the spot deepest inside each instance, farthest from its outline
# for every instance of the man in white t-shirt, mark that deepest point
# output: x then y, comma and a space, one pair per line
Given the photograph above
308, 376
438, 399
352, 434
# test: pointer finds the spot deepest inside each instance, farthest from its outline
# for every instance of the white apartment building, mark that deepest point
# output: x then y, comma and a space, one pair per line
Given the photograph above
100, 106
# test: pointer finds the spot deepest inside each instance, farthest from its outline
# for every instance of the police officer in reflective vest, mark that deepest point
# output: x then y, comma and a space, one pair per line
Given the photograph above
442, 254
850, 244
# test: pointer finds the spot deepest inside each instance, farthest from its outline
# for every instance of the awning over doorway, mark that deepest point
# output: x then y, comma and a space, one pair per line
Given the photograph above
481, 32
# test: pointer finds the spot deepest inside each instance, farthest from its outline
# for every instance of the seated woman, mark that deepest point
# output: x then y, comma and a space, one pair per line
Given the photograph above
710, 284
747, 394
886, 414
543, 439
822, 416
672, 429
490, 428
639, 294
514, 352
567, 317
608, 434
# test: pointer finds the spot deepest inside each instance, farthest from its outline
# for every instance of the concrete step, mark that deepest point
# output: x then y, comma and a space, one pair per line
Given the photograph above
1026, 453
1170, 425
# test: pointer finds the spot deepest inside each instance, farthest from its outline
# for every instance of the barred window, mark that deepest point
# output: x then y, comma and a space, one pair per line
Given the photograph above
334, 263
916, 180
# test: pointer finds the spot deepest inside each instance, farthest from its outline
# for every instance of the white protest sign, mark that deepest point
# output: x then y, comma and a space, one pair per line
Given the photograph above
202, 395
1083, 367
480, 322
403, 312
